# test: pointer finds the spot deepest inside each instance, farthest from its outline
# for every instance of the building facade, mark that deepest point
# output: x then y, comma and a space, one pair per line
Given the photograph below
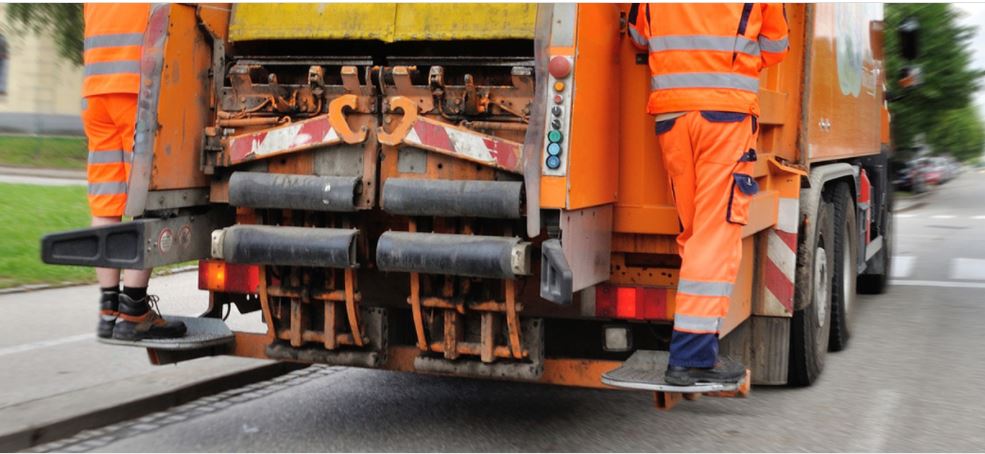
40, 92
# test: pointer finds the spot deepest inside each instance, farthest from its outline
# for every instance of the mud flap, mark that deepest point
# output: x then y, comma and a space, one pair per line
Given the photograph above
645, 371
202, 333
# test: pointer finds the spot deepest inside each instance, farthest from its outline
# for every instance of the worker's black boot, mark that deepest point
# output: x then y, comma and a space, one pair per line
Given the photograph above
139, 319
108, 310
725, 371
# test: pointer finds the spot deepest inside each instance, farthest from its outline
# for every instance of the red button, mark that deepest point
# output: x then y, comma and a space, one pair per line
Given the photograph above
558, 99
559, 67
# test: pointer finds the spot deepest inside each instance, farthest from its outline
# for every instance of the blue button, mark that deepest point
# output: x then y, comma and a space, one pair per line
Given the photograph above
553, 162
554, 149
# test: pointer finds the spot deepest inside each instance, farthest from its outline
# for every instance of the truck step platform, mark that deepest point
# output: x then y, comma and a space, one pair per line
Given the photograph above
644, 370
202, 332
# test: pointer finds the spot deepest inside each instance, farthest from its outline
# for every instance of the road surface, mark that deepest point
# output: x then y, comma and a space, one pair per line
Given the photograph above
911, 380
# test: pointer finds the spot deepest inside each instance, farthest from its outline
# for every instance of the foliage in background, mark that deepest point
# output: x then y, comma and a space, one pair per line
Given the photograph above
941, 108
63, 21
44, 152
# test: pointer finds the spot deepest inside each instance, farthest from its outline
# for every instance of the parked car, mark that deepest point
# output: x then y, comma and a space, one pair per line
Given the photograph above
909, 176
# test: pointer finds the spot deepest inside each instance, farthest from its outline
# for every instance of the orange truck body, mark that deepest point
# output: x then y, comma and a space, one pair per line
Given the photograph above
608, 206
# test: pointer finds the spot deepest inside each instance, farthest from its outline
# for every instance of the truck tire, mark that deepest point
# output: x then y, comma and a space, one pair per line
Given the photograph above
810, 327
877, 283
844, 274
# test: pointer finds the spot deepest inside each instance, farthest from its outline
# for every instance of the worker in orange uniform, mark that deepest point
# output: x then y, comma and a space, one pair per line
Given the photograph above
113, 41
704, 62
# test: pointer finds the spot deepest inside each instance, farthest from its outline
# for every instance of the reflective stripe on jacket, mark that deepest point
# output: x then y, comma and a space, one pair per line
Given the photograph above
707, 56
114, 35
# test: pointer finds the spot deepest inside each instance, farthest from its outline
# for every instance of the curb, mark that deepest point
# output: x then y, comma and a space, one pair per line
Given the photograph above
36, 287
55, 430
911, 202
63, 174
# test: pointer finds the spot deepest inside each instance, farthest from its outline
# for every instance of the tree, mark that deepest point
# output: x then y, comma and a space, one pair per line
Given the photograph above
959, 133
940, 107
63, 21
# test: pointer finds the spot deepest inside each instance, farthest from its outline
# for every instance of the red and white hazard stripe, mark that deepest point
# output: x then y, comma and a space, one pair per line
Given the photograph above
283, 139
781, 264
448, 139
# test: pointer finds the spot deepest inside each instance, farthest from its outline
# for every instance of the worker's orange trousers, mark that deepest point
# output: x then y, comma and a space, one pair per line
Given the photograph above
709, 157
109, 121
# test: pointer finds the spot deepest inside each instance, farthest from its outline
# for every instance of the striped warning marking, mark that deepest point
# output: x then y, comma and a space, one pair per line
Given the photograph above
781, 251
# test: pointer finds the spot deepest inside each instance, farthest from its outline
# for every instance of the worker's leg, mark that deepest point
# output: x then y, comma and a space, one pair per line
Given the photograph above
675, 147
107, 178
723, 186
138, 319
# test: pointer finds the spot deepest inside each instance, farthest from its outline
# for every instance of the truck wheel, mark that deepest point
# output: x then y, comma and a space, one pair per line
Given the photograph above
810, 326
876, 283
845, 267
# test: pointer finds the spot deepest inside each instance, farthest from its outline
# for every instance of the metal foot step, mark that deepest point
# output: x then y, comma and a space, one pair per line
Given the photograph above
202, 333
645, 371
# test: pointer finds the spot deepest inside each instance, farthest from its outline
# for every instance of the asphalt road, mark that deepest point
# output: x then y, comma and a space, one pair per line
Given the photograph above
911, 380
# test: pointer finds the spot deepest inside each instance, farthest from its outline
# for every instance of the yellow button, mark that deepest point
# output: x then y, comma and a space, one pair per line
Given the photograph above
558, 86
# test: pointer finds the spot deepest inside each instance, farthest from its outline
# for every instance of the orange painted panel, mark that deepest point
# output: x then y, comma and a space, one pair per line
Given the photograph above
846, 96
594, 142
184, 103
553, 192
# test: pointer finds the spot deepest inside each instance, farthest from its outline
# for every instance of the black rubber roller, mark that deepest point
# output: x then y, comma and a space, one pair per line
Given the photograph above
293, 246
293, 192
458, 255
453, 198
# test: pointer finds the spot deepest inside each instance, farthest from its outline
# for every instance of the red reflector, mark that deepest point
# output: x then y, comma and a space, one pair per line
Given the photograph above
219, 276
559, 67
627, 302
635, 303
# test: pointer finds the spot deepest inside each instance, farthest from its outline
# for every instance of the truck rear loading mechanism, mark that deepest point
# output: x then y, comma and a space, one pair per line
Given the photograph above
476, 190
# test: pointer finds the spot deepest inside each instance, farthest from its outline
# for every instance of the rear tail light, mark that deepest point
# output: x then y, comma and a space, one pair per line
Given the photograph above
631, 303
219, 276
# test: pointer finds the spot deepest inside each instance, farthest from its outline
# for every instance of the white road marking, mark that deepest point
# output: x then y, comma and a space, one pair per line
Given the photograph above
943, 216
905, 215
968, 269
43, 344
942, 284
878, 419
979, 217
903, 265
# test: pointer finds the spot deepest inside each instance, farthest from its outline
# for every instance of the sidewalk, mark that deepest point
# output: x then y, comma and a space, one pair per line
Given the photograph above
45, 177
56, 379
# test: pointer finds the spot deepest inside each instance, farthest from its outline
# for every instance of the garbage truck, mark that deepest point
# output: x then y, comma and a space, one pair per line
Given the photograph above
477, 190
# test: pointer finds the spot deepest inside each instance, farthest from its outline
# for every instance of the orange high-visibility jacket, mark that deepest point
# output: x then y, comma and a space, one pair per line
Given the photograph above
114, 36
707, 56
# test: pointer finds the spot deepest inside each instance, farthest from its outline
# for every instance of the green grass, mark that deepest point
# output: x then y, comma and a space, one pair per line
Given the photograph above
43, 152
27, 212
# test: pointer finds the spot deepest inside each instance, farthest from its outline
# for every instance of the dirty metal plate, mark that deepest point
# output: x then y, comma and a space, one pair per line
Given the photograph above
645, 371
202, 332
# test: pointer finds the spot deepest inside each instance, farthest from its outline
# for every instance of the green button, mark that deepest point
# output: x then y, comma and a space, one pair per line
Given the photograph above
554, 136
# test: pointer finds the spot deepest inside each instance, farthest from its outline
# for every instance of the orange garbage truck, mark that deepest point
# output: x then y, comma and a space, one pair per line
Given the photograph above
477, 190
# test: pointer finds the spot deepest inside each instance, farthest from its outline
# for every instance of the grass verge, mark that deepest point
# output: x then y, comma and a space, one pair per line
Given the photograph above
44, 152
28, 212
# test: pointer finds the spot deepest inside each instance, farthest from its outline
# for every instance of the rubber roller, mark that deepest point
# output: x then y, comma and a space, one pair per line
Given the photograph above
294, 192
293, 246
460, 255
453, 198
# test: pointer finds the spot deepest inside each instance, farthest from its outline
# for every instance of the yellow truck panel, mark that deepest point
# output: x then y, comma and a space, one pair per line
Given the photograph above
387, 22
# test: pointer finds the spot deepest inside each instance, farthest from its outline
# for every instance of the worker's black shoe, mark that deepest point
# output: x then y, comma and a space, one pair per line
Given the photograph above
725, 371
108, 310
140, 320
